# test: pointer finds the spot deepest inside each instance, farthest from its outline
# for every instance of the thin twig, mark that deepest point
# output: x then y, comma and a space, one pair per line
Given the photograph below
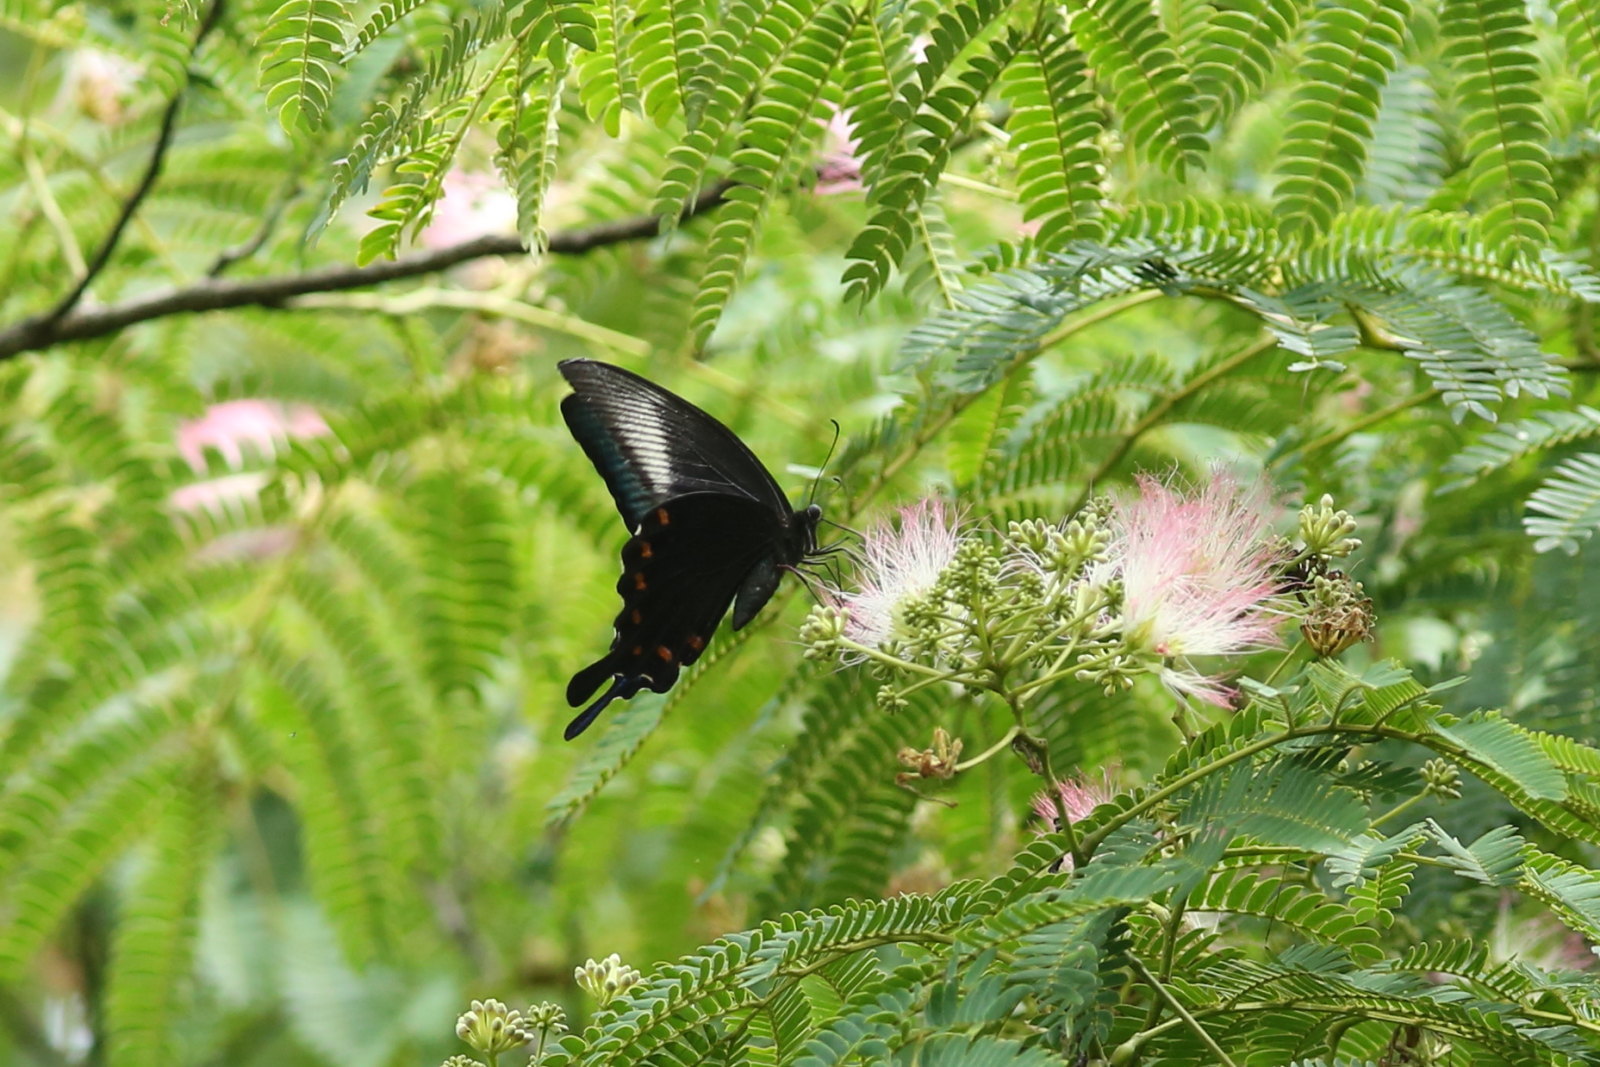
215, 294
152, 171
1367, 421
1163, 408
269, 225
493, 304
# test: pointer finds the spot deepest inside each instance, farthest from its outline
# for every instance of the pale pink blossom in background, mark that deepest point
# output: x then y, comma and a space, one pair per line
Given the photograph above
1197, 576
898, 564
838, 168
475, 203
100, 84
230, 429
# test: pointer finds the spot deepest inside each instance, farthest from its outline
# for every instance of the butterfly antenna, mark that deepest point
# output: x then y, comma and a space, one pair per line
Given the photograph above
815, 482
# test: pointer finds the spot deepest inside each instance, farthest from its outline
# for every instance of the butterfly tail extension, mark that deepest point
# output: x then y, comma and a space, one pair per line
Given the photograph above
621, 689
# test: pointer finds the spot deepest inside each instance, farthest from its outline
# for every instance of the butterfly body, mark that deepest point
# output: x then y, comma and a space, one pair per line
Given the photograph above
710, 528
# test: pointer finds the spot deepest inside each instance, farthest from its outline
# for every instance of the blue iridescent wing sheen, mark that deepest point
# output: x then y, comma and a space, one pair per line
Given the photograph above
652, 446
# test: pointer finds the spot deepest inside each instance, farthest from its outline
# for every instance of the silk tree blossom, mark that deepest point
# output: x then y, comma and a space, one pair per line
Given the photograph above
1197, 574
101, 84
472, 203
839, 165
1076, 796
900, 565
234, 430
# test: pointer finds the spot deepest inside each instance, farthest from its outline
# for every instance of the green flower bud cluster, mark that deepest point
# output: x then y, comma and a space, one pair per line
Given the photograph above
1441, 778
973, 577
1114, 673
606, 980
889, 699
821, 631
492, 1028
1059, 553
1326, 532
547, 1016
923, 625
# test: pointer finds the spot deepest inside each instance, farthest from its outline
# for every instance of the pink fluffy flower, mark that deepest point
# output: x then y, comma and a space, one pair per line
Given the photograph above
1197, 577
101, 84
1077, 796
899, 564
839, 167
471, 204
229, 429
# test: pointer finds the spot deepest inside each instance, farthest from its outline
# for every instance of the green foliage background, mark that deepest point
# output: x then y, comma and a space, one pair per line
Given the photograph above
281, 782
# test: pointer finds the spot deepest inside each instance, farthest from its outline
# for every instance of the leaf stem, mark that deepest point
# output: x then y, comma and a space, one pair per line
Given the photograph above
1183, 1013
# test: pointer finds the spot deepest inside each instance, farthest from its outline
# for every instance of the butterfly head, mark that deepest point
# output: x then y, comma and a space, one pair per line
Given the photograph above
804, 524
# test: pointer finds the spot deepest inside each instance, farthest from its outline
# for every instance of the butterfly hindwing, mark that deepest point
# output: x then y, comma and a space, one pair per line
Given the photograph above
680, 572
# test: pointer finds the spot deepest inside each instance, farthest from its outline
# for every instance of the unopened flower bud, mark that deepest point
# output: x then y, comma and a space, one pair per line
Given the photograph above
974, 575
1326, 532
922, 618
821, 631
1030, 534
1083, 540
606, 980
461, 1061
889, 699
1338, 614
1115, 674
492, 1028
546, 1016
1441, 778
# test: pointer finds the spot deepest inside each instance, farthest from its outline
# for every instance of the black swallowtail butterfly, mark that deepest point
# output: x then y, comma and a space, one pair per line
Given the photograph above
710, 528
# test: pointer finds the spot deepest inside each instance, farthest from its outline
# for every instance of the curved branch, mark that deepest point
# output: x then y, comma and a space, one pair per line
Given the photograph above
217, 294
152, 171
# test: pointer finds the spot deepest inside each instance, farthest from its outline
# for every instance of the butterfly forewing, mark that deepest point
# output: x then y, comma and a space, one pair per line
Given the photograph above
651, 446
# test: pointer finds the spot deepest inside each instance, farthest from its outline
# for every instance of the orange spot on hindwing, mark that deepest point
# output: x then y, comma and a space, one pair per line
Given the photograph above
697, 642
638, 582
644, 550
664, 652
662, 517
637, 616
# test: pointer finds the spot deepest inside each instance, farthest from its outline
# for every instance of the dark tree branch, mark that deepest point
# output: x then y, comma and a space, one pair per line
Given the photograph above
216, 294
152, 171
